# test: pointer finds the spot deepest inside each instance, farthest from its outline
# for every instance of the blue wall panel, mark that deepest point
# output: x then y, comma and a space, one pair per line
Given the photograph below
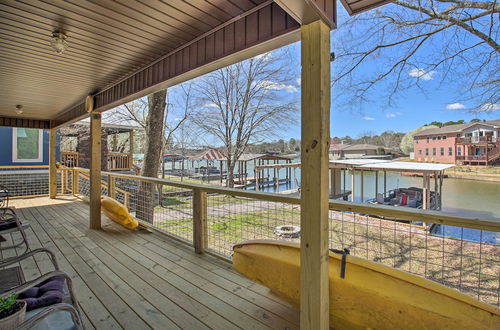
6, 149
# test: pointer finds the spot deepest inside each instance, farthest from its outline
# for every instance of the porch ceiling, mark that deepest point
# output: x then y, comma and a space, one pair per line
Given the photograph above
108, 40
124, 49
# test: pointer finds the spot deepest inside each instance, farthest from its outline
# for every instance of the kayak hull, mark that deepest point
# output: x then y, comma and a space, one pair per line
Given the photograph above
370, 295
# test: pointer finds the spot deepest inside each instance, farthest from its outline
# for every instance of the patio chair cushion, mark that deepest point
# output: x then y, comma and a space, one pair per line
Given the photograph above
7, 223
47, 293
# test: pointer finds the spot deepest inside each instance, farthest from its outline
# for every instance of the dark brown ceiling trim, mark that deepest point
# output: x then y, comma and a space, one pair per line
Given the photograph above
23, 122
357, 7
269, 21
308, 11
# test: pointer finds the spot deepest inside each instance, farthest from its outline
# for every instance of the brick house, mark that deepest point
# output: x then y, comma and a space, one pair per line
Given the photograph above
464, 144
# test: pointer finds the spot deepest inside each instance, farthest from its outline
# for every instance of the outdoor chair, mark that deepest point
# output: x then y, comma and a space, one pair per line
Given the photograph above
51, 302
4, 197
10, 224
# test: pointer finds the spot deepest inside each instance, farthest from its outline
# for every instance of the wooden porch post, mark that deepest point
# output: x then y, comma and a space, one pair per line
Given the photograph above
314, 292
95, 164
52, 164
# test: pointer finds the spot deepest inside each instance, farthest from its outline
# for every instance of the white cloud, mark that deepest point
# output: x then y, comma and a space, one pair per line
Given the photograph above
490, 107
390, 115
299, 81
266, 84
210, 105
455, 106
367, 118
422, 74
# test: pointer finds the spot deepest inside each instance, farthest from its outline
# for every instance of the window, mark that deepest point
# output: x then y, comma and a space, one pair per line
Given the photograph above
427, 151
416, 139
420, 152
459, 135
444, 137
434, 151
441, 152
434, 138
428, 139
459, 151
450, 151
27, 145
439, 137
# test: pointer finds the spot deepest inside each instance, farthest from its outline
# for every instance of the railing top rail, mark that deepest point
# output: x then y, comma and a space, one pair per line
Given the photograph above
438, 217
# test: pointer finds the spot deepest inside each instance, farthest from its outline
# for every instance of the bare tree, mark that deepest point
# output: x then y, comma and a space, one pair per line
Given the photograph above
418, 40
246, 102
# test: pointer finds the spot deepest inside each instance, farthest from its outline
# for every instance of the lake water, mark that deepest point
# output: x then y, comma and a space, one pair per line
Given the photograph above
476, 198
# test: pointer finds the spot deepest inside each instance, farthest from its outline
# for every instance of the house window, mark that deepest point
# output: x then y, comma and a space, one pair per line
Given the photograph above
439, 137
450, 151
458, 135
416, 140
428, 139
444, 137
441, 152
459, 151
434, 138
27, 145
420, 152
434, 151
427, 151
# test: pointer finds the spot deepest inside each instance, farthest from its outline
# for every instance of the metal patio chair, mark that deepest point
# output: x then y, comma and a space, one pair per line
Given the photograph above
62, 315
10, 224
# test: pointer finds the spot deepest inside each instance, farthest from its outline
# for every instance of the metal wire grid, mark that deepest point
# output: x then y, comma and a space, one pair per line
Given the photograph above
29, 182
471, 267
166, 208
231, 220
65, 181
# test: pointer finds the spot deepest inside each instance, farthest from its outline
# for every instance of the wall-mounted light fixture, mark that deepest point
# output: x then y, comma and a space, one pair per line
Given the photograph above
58, 42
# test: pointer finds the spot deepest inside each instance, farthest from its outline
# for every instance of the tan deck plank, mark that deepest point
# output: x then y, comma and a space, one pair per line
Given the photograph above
84, 295
142, 268
146, 278
226, 291
219, 305
121, 274
123, 314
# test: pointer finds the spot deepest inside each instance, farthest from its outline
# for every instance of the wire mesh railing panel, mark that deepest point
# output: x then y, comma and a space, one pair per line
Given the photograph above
65, 181
467, 262
166, 208
231, 220
25, 182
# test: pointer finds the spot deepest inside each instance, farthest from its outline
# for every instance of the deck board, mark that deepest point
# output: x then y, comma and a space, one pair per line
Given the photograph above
140, 280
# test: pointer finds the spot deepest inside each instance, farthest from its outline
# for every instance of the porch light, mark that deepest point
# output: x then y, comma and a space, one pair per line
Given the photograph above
58, 42
19, 109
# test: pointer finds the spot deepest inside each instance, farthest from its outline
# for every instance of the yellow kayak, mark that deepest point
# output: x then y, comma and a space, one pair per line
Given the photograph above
118, 212
369, 295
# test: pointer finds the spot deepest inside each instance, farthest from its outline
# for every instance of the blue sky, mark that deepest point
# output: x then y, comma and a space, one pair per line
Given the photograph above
415, 107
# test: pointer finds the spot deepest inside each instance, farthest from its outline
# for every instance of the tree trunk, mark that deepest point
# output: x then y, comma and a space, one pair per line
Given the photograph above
152, 155
230, 173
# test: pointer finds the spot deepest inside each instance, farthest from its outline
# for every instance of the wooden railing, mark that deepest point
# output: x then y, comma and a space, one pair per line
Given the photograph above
69, 159
212, 219
476, 139
119, 161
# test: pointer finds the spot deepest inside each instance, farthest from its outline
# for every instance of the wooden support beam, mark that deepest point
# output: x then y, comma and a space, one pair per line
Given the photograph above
314, 289
335, 182
200, 238
52, 163
362, 186
353, 183
95, 165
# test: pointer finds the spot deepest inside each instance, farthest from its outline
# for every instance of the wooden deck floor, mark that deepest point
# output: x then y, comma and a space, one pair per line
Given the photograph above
140, 280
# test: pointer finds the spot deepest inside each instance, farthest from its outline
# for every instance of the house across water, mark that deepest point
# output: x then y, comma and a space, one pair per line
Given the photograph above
464, 144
